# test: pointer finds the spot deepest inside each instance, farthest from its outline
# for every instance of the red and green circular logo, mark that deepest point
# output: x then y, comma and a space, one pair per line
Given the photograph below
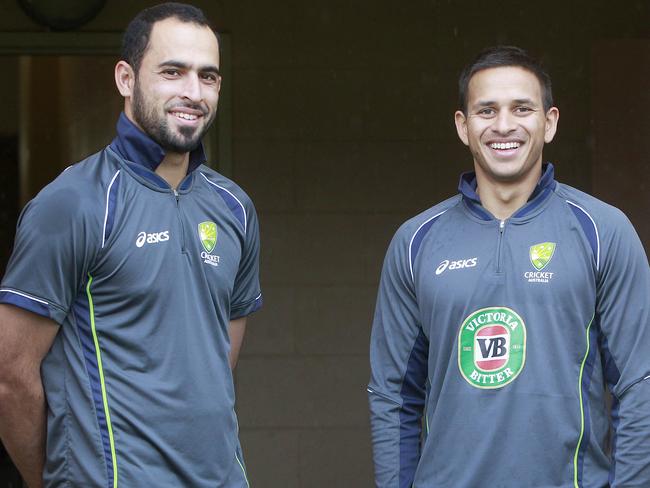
492, 347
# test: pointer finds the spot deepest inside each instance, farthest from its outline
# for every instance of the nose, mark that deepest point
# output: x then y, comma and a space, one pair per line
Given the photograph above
192, 87
504, 122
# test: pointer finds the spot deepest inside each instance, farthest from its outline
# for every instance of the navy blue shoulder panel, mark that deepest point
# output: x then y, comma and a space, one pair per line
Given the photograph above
418, 237
589, 228
111, 204
233, 203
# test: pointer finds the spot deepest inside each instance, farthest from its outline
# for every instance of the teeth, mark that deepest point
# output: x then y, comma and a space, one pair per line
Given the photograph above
185, 116
505, 145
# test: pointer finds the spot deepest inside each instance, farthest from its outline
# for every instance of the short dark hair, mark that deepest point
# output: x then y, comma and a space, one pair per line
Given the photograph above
503, 56
137, 34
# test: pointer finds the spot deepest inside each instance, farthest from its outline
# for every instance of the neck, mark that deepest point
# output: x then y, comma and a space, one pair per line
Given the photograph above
173, 168
503, 198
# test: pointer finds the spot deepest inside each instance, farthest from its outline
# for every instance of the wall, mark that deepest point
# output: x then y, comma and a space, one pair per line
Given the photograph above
621, 124
343, 128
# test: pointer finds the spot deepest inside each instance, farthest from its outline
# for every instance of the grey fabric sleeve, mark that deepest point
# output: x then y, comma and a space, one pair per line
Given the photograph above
632, 444
623, 313
53, 250
396, 401
247, 297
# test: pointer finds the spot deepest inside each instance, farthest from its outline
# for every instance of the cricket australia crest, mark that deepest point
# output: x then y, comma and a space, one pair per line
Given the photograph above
492, 347
208, 235
541, 254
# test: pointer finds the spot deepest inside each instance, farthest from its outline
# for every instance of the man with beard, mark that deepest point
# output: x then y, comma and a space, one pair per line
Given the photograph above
125, 300
505, 313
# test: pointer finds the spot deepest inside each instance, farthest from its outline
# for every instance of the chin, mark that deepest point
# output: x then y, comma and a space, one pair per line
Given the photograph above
499, 172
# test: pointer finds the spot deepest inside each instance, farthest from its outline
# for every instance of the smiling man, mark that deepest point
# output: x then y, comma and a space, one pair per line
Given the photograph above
506, 312
125, 300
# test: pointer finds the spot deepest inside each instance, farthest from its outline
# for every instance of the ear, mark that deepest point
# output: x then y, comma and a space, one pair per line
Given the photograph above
552, 117
461, 126
124, 78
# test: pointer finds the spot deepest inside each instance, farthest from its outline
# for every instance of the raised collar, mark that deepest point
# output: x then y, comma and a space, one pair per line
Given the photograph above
137, 147
544, 187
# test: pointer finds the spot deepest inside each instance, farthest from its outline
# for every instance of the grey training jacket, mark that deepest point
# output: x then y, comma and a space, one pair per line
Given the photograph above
143, 281
493, 344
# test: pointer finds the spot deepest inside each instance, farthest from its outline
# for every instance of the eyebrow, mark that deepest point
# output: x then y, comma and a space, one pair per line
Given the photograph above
207, 68
484, 103
518, 101
524, 101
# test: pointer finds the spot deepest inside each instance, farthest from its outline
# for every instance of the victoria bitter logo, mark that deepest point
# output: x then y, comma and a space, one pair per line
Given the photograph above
492, 347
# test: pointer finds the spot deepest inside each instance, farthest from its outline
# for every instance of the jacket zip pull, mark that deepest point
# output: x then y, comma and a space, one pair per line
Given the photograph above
180, 219
502, 225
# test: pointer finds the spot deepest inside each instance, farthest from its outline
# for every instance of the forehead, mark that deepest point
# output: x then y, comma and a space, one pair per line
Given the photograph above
172, 39
504, 83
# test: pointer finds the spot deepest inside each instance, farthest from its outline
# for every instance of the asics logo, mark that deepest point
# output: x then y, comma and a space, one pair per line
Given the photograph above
460, 264
153, 238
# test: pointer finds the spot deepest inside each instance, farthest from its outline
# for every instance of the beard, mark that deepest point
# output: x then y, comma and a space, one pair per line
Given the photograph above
156, 126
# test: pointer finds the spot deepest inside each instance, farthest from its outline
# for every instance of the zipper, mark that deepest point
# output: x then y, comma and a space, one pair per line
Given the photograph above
502, 228
180, 220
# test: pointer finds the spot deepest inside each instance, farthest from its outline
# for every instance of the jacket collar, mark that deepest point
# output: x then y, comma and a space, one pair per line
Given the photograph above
142, 152
546, 184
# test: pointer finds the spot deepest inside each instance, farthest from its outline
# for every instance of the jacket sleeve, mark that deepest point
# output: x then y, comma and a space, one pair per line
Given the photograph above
622, 311
398, 361
247, 295
56, 241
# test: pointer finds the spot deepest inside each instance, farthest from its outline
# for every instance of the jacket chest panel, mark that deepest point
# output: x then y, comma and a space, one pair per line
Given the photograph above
159, 238
532, 267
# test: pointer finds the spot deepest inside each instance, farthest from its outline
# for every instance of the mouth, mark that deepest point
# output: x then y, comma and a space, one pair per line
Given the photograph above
185, 116
501, 146
504, 149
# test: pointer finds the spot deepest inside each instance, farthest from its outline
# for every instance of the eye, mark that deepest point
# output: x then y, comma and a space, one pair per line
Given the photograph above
522, 109
171, 72
210, 77
487, 112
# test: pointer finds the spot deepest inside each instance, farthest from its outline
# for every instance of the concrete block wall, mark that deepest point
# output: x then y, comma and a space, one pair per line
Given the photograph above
330, 138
